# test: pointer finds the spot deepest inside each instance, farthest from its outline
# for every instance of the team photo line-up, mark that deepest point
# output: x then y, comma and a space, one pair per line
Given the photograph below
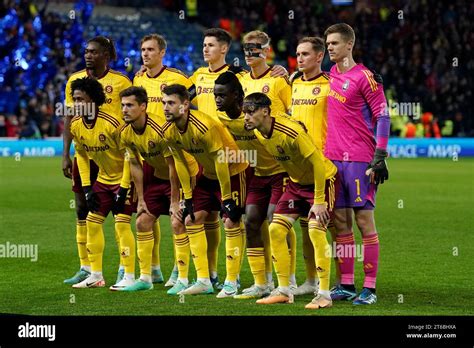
252, 150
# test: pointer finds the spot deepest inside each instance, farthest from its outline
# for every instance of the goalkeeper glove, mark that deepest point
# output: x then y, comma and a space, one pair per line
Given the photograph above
188, 209
120, 199
91, 199
231, 210
378, 166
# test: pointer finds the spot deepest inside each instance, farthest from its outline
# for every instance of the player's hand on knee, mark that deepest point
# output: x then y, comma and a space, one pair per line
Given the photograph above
188, 209
377, 169
320, 213
175, 210
91, 198
119, 201
233, 212
67, 167
142, 208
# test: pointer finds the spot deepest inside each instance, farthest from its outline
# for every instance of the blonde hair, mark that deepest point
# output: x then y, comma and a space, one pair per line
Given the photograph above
258, 35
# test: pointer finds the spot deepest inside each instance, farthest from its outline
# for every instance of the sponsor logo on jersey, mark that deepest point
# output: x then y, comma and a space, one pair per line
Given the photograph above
154, 99
206, 90
108, 89
163, 85
332, 93
266, 89
316, 90
102, 137
304, 101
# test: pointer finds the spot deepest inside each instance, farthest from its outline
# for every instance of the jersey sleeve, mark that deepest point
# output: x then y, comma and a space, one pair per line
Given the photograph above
212, 140
373, 93
185, 81
284, 92
304, 144
67, 94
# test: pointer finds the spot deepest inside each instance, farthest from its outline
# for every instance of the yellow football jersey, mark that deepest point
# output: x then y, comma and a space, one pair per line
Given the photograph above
309, 105
247, 140
155, 84
278, 89
99, 142
152, 146
203, 136
291, 146
113, 82
203, 80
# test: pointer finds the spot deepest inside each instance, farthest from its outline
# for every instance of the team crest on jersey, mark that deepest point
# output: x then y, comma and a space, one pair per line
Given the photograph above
162, 87
108, 89
194, 141
151, 144
102, 137
280, 149
345, 86
316, 90
266, 89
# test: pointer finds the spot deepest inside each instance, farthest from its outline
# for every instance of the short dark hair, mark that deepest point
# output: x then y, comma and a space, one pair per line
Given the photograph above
317, 43
221, 35
158, 38
344, 29
260, 100
229, 78
91, 87
139, 92
107, 44
177, 89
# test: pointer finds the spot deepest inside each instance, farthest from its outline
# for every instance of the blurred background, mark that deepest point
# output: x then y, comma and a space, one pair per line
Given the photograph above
422, 49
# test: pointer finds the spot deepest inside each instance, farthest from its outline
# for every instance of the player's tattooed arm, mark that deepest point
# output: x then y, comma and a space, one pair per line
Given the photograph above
174, 180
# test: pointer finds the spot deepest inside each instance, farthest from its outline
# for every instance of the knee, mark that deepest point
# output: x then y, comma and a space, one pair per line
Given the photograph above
365, 223
145, 223
81, 209
177, 226
277, 233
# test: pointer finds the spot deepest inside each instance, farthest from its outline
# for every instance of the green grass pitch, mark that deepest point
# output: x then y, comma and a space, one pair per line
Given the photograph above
424, 218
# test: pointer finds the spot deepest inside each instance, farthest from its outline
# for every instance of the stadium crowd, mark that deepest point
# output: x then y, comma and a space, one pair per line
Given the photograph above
423, 52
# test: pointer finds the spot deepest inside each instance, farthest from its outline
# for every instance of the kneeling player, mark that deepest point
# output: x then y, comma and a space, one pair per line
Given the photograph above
96, 137
310, 192
160, 195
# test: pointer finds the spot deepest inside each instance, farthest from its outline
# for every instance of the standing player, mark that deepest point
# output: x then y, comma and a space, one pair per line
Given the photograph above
100, 51
95, 137
221, 186
310, 193
156, 77
142, 136
309, 106
356, 109
277, 88
265, 187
